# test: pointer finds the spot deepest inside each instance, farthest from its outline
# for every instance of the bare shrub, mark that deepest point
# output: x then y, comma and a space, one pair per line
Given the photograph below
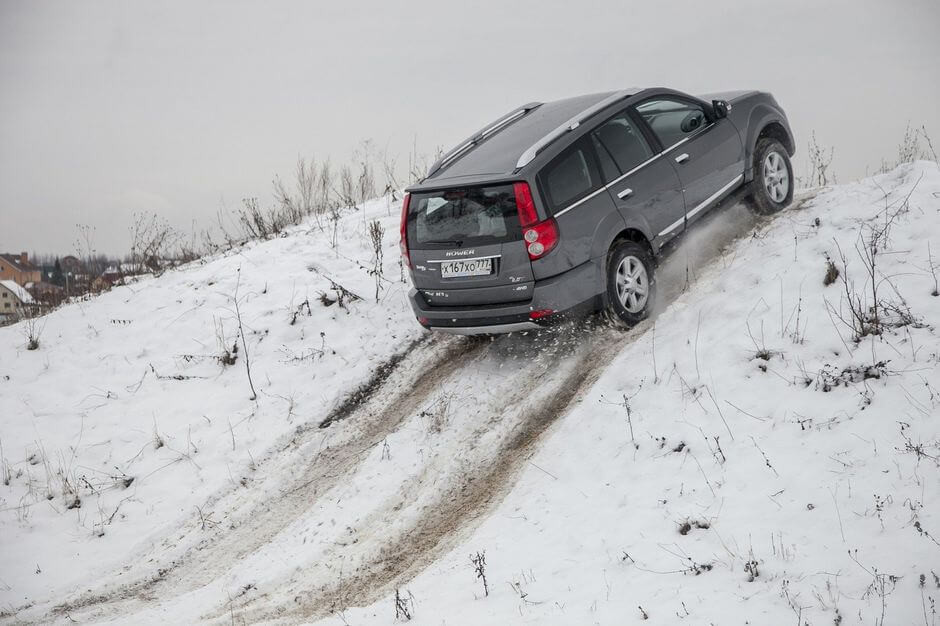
227, 356
325, 184
832, 272
870, 312
334, 215
306, 199
347, 188
819, 161
365, 183
376, 233
389, 170
402, 608
151, 241
930, 149
32, 331
6, 474
478, 561
830, 377
909, 148
933, 272
241, 333
256, 223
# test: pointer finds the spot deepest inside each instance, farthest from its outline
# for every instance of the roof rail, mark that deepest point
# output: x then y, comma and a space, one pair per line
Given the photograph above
481, 135
570, 125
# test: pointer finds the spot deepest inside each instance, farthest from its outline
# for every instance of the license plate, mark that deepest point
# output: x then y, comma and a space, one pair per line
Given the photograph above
466, 267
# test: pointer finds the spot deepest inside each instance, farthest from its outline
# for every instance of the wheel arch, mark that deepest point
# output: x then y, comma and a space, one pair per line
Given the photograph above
766, 121
776, 130
634, 234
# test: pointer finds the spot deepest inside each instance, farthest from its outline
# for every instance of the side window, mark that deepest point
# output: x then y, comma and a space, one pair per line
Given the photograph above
571, 176
622, 143
672, 119
608, 167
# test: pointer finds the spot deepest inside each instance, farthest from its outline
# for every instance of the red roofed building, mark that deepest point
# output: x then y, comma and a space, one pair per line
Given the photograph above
16, 267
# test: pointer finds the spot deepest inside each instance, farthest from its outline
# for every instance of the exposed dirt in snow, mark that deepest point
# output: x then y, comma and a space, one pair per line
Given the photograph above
579, 354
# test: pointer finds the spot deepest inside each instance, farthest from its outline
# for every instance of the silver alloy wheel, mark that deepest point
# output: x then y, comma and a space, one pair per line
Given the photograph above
633, 286
776, 177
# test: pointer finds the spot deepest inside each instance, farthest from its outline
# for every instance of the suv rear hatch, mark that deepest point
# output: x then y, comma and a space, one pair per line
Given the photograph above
466, 246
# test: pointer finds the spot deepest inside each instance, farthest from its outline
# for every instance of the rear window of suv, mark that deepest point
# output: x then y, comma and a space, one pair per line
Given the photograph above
570, 176
463, 216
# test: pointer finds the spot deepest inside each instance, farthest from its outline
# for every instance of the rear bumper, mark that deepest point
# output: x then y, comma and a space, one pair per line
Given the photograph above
495, 329
573, 292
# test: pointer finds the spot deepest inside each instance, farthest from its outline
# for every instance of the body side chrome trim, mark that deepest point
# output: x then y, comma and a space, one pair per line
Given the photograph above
609, 185
677, 144
714, 196
580, 202
634, 170
695, 135
701, 206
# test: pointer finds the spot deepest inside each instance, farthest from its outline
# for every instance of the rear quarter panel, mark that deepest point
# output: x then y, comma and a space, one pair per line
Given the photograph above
580, 229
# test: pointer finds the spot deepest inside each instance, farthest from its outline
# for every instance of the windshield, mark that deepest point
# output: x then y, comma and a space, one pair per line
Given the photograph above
465, 216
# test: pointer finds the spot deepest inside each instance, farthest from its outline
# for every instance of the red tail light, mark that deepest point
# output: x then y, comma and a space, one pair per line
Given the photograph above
540, 237
535, 315
404, 229
524, 204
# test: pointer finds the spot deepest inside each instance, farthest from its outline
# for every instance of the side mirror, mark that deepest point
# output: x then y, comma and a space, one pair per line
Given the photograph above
721, 108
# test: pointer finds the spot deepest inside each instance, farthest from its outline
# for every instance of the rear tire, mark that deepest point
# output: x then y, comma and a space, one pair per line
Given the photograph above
772, 187
631, 283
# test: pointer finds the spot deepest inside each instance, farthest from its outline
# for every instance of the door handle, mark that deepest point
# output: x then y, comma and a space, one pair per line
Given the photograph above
623, 194
682, 158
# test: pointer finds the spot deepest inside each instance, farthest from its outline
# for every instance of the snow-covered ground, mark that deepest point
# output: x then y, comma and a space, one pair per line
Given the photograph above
740, 459
127, 409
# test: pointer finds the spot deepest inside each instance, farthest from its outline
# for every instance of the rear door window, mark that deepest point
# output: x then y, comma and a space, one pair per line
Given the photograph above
624, 143
571, 176
608, 167
463, 216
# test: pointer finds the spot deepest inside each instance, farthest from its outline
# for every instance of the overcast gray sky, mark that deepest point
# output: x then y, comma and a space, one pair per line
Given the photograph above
107, 108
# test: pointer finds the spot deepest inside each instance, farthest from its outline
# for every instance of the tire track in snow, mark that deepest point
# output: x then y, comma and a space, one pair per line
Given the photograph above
382, 563
252, 516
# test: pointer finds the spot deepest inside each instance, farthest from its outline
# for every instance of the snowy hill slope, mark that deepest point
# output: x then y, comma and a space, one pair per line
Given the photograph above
715, 466
744, 461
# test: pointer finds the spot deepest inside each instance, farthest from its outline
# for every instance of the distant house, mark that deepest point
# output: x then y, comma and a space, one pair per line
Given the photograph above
15, 301
45, 293
73, 266
17, 268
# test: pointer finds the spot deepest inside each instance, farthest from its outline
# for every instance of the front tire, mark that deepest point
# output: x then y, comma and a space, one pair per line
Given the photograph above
631, 283
772, 187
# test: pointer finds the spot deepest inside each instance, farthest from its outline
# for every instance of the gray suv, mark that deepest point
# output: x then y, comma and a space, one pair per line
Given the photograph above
564, 206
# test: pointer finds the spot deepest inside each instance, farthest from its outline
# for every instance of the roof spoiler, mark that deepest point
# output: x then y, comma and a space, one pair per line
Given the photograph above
570, 125
481, 135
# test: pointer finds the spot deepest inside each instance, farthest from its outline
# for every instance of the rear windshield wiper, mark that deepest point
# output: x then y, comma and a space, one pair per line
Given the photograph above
455, 242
